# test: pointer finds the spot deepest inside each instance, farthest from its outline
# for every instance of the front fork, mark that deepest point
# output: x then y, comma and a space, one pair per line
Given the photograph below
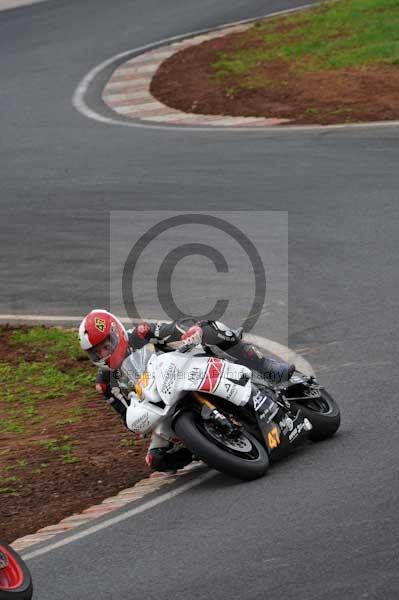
209, 412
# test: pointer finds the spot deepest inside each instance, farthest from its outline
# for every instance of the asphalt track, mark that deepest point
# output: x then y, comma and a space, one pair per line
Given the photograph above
322, 524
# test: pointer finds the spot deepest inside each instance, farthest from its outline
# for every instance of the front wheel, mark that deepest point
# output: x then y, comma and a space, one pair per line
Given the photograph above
239, 455
323, 413
15, 578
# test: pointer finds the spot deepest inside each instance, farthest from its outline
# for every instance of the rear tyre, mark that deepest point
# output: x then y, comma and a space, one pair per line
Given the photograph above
243, 456
15, 578
323, 413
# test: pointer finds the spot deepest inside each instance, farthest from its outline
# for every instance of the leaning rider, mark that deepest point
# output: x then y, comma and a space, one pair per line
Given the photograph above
107, 343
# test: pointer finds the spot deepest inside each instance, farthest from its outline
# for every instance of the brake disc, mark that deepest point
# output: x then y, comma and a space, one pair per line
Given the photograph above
239, 443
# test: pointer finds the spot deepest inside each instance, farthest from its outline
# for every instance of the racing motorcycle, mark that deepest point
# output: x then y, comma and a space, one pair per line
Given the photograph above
15, 578
227, 415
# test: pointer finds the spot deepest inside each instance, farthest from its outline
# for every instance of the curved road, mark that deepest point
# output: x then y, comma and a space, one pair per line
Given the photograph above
322, 524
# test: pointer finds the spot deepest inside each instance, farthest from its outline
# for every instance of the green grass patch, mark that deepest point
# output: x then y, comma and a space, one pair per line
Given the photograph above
51, 369
75, 415
343, 34
8, 490
128, 442
49, 341
11, 425
5, 487
40, 470
6, 480
62, 447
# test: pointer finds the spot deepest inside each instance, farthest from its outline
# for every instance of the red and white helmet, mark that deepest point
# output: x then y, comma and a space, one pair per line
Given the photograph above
104, 338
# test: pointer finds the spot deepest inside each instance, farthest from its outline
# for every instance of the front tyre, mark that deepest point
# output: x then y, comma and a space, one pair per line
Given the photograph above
323, 413
240, 456
15, 578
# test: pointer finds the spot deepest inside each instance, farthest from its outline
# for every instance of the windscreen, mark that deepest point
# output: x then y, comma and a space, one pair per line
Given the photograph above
136, 363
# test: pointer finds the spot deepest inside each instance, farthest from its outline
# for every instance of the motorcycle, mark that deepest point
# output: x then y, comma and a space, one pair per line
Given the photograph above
15, 578
227, 415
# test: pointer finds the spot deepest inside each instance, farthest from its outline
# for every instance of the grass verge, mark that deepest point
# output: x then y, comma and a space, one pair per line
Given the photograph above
40, 367
339, 35
62, 449
332, 64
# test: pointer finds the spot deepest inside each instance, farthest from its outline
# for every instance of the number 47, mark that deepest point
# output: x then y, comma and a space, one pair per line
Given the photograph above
273, 438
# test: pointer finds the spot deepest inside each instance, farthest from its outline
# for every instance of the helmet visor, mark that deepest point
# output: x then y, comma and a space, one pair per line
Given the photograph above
100, 353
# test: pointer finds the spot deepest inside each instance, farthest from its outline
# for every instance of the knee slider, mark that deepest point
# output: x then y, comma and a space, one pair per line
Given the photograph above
160, 459
156, 459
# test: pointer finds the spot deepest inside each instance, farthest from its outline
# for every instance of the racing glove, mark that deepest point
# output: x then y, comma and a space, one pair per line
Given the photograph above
192, 337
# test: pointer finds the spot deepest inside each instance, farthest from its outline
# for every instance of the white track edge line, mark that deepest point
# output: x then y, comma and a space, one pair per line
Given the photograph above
122, 517
79, 103
13, 4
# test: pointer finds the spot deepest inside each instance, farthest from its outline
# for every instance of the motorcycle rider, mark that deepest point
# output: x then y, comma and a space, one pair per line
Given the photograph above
107, 343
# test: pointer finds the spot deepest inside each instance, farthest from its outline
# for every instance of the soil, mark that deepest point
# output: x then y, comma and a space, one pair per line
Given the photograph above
186, 81
48, 489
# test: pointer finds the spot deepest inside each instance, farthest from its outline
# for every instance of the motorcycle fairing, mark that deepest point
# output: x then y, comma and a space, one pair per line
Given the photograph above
168, 378
281, 431
178, 373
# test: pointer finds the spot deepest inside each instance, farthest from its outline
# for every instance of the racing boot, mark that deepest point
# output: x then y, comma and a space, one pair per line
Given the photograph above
277, 372
248, 355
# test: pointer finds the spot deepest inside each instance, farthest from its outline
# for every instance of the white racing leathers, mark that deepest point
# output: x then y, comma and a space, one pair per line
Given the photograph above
168, 377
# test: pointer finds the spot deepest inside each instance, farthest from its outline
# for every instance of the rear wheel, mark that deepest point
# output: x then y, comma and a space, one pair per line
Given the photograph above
15, 578
323, 413
238, 454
